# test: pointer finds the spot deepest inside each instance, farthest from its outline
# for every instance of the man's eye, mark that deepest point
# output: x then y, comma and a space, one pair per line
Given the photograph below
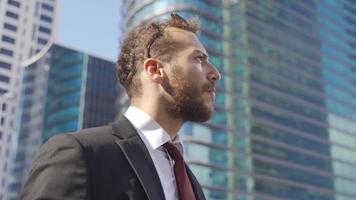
199, 58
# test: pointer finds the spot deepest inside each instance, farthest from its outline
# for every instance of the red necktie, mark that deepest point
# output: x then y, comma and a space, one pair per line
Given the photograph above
184, 187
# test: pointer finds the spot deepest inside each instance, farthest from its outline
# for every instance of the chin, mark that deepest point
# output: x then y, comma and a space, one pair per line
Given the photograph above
199, 114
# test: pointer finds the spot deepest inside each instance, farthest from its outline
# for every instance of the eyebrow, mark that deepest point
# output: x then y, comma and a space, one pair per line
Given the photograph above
205, 55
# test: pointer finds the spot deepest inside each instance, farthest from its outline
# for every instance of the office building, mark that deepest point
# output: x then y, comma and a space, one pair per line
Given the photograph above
285, 119
64, 90
337, 44
25, 28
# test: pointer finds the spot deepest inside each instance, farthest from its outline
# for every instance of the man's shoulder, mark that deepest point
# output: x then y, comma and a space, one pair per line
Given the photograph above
93, 132
101, 135
85, 137
93, 138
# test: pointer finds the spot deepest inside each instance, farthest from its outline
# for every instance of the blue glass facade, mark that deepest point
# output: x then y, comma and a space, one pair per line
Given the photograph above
65, 81
64, 90
284, 126
337, 34
81, 92
100, 93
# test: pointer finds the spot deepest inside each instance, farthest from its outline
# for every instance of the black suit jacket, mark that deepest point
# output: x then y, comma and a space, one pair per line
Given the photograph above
103, 163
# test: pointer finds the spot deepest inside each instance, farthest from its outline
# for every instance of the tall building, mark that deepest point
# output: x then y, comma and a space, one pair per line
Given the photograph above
64, 90
285, 119
81, 92
25, 28
338, 46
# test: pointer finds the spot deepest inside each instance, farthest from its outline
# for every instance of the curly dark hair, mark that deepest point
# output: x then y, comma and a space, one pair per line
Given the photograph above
145, 41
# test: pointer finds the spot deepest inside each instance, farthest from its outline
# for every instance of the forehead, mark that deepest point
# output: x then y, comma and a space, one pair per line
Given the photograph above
185, 39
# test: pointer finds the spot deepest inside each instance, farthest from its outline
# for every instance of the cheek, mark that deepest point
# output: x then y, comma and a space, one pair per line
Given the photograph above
195, 72
196, 67
196, 87
192, 66
199, 68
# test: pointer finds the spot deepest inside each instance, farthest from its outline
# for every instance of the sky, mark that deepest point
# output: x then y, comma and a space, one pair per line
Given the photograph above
91, 26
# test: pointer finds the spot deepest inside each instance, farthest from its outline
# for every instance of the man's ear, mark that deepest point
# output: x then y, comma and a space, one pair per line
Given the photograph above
154, 69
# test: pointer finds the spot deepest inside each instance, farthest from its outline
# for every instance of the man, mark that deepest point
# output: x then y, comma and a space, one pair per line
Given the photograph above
167, 75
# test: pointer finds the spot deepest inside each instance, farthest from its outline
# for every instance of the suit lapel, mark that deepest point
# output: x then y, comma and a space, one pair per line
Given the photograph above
139, 158
199, 195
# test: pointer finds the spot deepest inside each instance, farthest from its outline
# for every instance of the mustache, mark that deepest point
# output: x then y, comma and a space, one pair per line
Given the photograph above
210, 87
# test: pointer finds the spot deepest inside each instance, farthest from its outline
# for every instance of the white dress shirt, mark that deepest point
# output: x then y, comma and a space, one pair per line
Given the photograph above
154, 137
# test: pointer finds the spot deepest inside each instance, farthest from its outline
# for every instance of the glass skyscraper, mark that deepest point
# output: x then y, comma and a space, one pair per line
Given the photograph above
25, 29
338, 46
64, 90
81, 92
285, 121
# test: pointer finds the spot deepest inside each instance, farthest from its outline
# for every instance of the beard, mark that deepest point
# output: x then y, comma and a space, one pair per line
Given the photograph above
188, 102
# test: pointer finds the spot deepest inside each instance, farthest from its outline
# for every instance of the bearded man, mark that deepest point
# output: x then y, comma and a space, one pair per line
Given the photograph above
169, 80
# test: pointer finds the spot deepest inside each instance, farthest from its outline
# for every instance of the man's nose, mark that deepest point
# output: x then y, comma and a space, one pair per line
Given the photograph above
214, 74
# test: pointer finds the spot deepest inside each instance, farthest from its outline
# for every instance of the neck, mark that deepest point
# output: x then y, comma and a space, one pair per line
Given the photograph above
169, 123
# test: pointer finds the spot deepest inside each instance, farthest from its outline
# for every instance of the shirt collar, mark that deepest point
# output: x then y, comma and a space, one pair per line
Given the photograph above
150, 131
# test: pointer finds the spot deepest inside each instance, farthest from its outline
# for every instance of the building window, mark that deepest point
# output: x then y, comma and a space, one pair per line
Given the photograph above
14, 3
2, 91
12, 15
5, 65
47, 7
29, 78
4, 78
8, 39
32, 51
6, 52
28, 91
46, 18
34, 28
42, 41
44, 30
10, 27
